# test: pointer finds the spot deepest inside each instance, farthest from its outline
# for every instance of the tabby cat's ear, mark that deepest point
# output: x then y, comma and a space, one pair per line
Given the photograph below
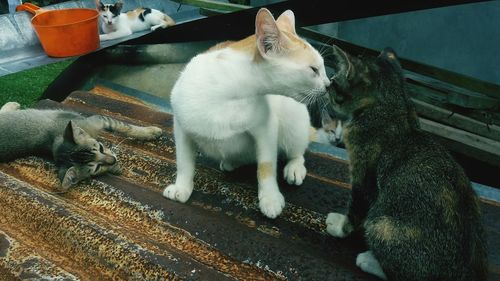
75, 134
344, 70
389, 55
269, 38
286, 21
70, 178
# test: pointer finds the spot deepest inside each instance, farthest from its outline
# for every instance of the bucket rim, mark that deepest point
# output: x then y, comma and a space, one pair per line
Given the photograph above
91, 18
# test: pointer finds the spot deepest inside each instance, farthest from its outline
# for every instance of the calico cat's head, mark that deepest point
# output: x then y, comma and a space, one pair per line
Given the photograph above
109, 12
295, 68
80, 156
362, 82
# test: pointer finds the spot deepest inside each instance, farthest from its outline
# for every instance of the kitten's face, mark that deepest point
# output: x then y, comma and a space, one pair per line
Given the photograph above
292, 63
109, 13
359, 83
82, 157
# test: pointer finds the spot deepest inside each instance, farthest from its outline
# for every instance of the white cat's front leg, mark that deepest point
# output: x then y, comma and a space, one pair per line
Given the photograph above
185, 158
271, 201
115, 34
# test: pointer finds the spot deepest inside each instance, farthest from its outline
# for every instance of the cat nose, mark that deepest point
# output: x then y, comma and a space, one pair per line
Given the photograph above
110, 160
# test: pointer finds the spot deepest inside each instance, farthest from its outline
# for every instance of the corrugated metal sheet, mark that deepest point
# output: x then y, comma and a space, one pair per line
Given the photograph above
121, 228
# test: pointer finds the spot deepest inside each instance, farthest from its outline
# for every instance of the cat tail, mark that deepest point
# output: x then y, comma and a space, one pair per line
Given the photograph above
168, 20
479, 258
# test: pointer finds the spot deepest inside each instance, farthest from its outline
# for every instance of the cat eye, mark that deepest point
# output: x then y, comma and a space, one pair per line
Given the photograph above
315, 70
97, 167
101, 148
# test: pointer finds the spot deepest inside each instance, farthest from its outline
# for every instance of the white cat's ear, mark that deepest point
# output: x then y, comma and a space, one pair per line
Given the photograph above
70, 178
269, 38
286, 21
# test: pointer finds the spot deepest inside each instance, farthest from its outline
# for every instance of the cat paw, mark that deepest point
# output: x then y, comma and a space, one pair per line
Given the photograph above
115, 169
11, 106
335, 225
103, 37
150, 133
368, 263
295, 171
271, 204
177, 193
225, 166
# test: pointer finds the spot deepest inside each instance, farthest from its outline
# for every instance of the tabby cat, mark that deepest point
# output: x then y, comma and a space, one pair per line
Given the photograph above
67, 137
420, 216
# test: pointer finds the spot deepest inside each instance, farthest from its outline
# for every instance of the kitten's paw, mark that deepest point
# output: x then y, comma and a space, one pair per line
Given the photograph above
295, 171
177, 193
225, 166
103, 37
335, 225
271, 204
116, 169
368, 263
10, 106
149, 133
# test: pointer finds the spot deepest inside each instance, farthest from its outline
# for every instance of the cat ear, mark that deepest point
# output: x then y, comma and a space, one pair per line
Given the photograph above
269, 38
70, 178
68, 133
389, 55
75, 134
119, 5
286, 21
99, 5
326, 119
345, 69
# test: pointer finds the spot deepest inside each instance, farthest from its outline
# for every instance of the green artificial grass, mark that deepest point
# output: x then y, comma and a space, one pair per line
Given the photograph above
26, 87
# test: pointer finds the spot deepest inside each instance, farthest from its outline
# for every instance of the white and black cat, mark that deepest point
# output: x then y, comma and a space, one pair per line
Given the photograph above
65, 136
116, 24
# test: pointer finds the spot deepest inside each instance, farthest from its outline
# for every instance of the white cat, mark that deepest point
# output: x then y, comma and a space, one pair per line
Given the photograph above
234, 103
116, 24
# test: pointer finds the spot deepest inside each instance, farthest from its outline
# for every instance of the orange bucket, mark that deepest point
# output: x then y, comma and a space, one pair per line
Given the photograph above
65, 32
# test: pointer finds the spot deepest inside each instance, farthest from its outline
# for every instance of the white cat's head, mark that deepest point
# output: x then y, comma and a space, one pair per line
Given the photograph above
109, 12
295, 68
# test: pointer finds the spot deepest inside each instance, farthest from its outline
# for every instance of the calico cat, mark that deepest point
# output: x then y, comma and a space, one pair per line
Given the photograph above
330, 130
421, 218
66, 136
116, 24
234, 103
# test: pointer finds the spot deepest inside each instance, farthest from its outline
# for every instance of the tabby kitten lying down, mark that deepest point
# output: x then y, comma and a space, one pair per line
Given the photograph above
420, 216
66, 136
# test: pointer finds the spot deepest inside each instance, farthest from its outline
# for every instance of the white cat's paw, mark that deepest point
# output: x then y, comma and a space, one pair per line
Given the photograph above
335, 223
177, 193
226, 166
11, 106
368, 263
295, 172
271, 204
103, 37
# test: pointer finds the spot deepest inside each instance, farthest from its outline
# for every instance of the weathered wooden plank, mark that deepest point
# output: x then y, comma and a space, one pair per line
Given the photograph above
467, 143
456, 120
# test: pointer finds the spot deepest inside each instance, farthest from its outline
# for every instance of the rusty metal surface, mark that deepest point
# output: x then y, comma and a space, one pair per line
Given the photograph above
121, 228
